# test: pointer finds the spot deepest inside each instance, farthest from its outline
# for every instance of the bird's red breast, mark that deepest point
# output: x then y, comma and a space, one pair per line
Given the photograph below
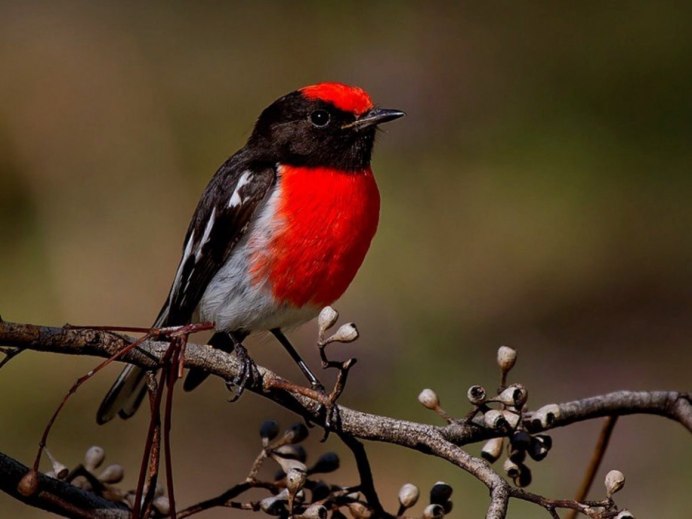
325, 219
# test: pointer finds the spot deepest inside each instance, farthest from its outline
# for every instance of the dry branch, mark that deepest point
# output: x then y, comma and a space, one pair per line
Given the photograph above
442, 441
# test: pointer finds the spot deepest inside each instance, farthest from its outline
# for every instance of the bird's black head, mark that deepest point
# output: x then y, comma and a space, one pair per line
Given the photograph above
327, 125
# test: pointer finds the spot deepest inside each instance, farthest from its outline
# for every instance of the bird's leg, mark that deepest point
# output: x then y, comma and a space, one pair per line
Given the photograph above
248, 370
314, 382
330, 408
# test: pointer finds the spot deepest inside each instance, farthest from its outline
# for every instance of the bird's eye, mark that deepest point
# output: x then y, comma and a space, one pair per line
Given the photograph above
320, 118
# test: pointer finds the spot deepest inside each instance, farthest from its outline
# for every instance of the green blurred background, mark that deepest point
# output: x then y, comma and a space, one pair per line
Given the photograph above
537, 195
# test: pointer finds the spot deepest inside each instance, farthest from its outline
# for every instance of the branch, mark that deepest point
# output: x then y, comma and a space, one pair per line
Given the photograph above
58, 496
444, 442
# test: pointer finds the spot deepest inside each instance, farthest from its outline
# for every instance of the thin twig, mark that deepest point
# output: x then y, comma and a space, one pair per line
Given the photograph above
150, 467
367, 485
172, 375
225, 498
595, 463
9, 354
73, 389
590, 508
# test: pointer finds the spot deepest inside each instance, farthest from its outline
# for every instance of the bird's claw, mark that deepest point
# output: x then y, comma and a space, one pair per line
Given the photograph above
248, 373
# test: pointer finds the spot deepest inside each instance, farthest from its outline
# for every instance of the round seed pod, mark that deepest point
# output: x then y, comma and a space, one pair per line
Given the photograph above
297, 433
512, 469
269, 430
515, 395
440, 493
494, 419
614, 481
408, 495
93, 457
315, 511
327, 318
506, 358
328, 462
433, 511
524, 477
476, 394
428, 398
320, 491
539, 447
520, 439
112, 474
492, 450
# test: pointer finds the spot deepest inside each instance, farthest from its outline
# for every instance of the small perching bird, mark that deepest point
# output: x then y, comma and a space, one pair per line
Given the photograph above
281, 228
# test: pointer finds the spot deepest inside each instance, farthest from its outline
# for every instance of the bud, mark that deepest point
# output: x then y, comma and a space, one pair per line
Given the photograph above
408, 495
320, 491
274, 505
327, 318
359, 510
624, 514
316, 511
112, 474
162, 505
291, 452
476, 395
506, 357
494, 419
524, 477
346, 333
297, 433
60, 470
269, 430
28, 485
295, 480
614, 481
511, 468
516, 454
547, 415
433, 511
80, 482
328, 462
511, 418
428, 398
94, 457
440, 493
515, 395
539, 446
492, 449
520, 439
289, 464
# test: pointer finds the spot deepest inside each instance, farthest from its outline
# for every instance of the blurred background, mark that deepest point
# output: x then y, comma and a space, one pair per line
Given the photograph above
537, 195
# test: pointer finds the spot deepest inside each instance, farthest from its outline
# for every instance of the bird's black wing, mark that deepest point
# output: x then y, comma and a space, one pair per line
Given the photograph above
221, 219
223, 216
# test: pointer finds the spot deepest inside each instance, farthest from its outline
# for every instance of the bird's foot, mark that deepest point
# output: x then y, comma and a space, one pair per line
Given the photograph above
248, 373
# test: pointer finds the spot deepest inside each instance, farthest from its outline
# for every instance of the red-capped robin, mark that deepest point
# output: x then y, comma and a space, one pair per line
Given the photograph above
280, 231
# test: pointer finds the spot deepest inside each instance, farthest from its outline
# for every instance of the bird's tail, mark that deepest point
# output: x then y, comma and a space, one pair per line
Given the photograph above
129, 389
125, 396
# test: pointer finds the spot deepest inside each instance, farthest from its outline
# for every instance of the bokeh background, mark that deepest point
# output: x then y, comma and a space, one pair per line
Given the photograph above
537, 195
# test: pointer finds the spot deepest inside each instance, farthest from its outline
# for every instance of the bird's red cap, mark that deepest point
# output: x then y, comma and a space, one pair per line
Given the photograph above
344, 97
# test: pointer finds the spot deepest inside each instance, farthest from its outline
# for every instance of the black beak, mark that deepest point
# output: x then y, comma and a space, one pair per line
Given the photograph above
374, 117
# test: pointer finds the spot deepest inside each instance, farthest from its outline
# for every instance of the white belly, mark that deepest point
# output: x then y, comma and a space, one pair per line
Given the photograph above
234, 301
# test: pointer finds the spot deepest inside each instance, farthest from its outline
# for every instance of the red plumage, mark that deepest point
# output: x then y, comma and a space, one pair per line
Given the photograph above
345, 97
327, 219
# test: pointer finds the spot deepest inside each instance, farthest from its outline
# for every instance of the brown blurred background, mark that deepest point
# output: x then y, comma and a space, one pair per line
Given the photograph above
537, 194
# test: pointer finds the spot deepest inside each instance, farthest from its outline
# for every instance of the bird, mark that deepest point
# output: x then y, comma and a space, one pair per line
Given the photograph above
280, 230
